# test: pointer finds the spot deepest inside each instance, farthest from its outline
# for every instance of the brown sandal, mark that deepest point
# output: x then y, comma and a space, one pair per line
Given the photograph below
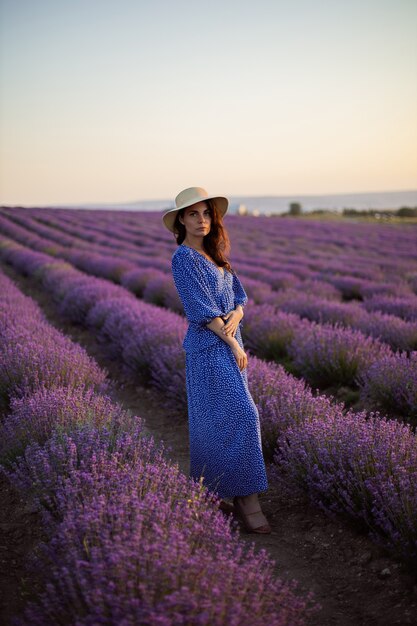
265, 529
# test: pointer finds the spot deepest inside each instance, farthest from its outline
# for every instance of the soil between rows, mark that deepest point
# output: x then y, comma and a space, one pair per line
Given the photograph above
356, 582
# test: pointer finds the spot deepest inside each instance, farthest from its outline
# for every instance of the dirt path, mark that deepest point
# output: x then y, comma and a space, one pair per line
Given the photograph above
20, 532
356, 582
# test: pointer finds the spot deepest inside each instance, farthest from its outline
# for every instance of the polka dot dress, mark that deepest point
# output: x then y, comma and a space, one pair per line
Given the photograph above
224, 429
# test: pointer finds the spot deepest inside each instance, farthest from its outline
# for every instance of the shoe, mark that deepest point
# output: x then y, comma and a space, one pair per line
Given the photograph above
265, 529
226, 507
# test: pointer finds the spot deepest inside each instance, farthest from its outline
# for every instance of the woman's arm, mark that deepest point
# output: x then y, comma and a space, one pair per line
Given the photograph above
217, 325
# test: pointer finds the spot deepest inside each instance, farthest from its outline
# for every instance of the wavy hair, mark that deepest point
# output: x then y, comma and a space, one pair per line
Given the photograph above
216, 243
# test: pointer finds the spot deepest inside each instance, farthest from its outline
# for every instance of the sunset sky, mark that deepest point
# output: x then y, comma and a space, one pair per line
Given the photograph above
122, 100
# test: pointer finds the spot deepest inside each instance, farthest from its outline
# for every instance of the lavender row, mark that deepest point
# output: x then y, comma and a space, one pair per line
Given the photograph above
128, 535
364, 466
27, 231
330, 354
286, 405
33, 353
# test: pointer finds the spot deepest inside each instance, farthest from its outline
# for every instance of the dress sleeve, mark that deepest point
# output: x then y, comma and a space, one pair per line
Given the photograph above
240, 294
194, 290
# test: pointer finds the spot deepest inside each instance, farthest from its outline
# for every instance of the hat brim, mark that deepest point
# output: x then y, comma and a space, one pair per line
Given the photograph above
222, 204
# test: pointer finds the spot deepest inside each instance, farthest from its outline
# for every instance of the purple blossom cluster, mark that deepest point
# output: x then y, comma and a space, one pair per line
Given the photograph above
331, 354
148, 341
283, 401
76, 297
320, 288
158, 290
404, 307
33, 417
258, 290
322, 310
390, 329
391, 384
269, 332
72, 464
129, 538
137, 279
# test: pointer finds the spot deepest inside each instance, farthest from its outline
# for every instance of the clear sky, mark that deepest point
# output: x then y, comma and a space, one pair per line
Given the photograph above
124, 100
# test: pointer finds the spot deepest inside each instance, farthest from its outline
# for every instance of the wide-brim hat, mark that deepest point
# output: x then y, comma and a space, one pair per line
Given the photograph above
191, 196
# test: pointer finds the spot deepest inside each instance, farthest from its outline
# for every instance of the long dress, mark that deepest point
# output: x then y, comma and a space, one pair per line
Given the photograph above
224, 429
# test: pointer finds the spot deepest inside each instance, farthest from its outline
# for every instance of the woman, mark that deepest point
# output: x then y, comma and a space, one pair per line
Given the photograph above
224, 430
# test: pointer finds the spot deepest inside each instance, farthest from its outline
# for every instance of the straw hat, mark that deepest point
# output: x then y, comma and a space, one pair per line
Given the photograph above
190, 196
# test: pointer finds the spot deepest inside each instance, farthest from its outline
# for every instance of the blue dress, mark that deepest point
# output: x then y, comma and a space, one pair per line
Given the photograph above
224, 428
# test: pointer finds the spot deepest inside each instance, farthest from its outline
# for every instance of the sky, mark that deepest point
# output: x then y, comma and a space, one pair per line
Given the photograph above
123, 100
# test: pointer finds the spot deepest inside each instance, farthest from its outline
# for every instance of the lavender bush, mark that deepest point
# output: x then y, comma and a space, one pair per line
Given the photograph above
365, 466
328, 355
35, 417
33, 353
269, 332
282, 401
390, 384
403, 307
77, 302
390, 329
72, 466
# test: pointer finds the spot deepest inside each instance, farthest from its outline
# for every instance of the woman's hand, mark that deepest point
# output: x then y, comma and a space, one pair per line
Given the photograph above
240, 356
233, 319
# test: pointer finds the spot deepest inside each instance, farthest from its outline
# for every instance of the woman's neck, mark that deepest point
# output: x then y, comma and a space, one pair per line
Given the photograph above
196, 243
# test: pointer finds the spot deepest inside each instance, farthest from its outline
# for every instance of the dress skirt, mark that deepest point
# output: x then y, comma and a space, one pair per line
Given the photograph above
224, 428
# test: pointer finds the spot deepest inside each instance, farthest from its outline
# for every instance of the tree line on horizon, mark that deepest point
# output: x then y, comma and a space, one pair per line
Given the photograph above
295, 208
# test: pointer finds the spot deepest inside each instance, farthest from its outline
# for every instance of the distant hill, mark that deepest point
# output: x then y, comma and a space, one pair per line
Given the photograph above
279, 204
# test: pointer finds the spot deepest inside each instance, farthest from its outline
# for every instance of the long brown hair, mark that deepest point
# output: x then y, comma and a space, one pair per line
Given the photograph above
216, 243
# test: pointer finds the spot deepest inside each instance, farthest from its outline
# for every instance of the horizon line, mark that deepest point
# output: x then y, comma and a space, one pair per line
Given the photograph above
127, 202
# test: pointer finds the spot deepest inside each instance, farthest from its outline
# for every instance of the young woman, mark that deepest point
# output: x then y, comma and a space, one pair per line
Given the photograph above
224, 429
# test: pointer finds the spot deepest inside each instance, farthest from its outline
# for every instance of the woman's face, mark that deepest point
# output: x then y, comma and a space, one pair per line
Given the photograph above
197, 219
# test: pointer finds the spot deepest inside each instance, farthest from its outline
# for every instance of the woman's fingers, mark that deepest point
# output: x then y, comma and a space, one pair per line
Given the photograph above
230, 329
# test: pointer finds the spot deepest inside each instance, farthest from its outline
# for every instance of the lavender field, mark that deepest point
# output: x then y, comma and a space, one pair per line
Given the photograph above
331, 335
